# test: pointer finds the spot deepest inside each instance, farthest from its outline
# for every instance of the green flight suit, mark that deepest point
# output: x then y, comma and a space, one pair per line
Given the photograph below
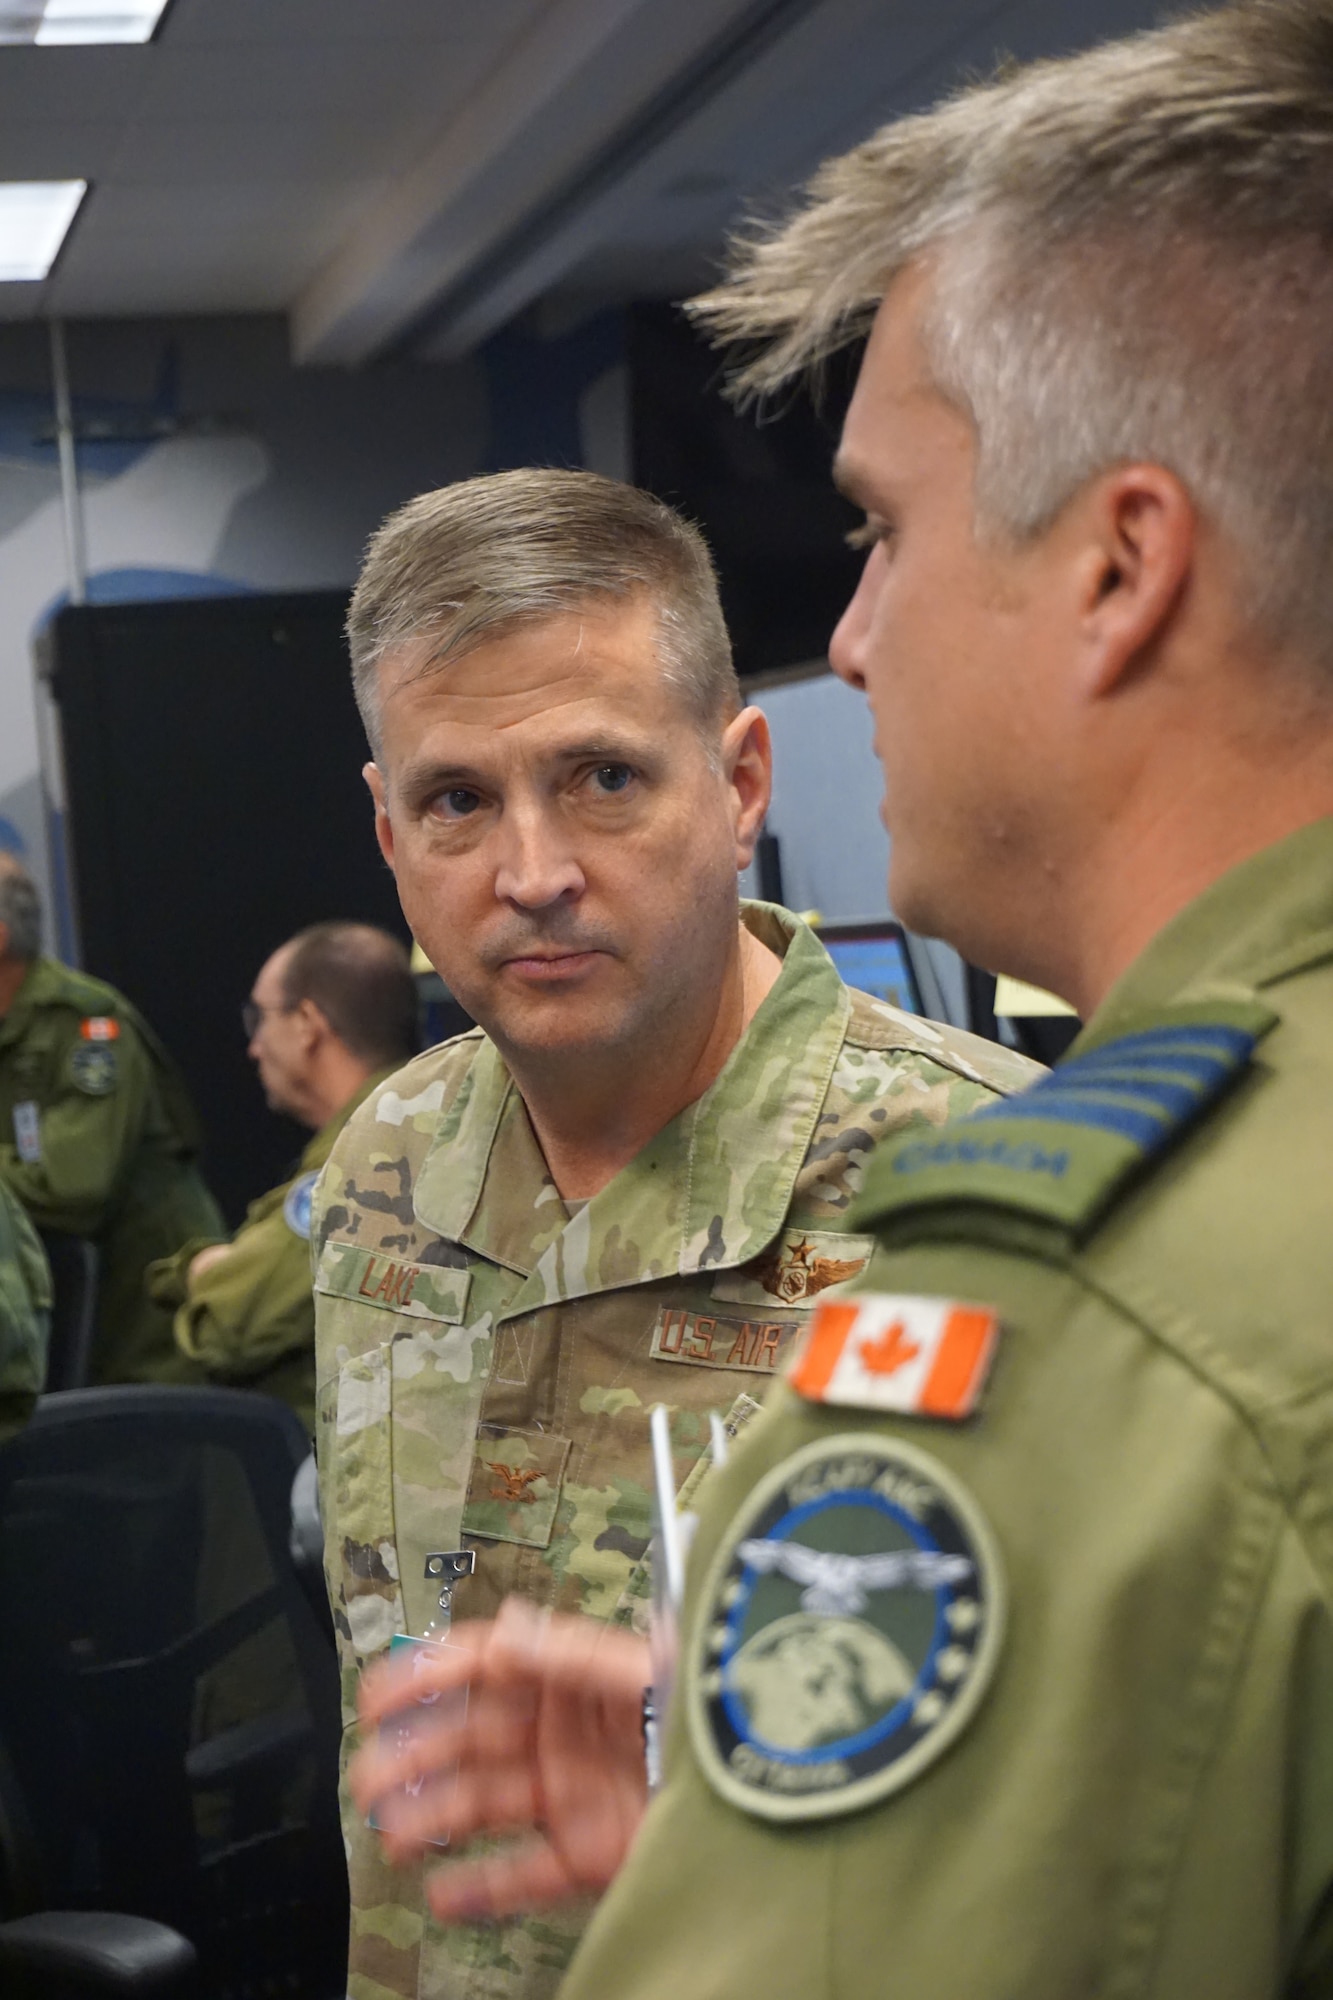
25, 1313
1111, 1774
97, 1137
250, 1318
487, 1357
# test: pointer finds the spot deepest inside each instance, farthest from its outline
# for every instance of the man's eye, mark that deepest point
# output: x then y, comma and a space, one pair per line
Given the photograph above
457, 803
612, 777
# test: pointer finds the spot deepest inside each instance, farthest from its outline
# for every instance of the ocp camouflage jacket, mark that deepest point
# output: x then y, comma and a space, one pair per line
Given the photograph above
486, 1360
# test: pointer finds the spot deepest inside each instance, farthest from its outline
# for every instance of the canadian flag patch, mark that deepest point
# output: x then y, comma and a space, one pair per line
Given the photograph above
882, 1351
100, 1028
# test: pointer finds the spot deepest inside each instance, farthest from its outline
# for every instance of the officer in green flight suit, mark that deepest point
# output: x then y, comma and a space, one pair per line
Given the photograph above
331, 1013
1007, 1654
97, 1135
25, 1312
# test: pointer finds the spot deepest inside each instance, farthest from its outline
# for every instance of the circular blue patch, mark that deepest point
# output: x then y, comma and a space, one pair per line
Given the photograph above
296, 1204
850, 1625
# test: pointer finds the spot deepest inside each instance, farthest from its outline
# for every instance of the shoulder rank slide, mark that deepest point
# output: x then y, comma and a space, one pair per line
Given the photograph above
882, 1351
1063, 1150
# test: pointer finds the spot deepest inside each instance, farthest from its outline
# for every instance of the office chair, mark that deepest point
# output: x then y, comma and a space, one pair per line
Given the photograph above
168, 1697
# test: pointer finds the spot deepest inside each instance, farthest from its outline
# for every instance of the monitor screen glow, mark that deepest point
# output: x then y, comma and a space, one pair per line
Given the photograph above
874, 957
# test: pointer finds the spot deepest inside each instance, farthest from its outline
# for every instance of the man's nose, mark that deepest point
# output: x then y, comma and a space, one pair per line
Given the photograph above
537, 866
846, 650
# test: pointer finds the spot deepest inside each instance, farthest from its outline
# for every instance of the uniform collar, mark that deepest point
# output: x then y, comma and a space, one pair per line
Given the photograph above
1269, 917
711, 1190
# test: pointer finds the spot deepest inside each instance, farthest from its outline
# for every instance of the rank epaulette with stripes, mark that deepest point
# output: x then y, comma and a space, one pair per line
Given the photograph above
1065, 1149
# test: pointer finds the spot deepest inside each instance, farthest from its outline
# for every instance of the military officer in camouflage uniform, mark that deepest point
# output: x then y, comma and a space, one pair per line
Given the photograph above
632, 1187
332, 1012
1007, 1665
25, 1313
97, 1135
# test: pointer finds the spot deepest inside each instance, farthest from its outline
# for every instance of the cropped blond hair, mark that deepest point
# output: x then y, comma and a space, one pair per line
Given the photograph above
470, 562
1131, 253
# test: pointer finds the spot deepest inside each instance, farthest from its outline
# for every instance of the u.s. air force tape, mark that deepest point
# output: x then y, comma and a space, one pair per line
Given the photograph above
849, 1627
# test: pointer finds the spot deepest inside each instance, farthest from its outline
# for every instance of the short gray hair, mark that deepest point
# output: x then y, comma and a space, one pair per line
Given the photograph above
1131, 254
470, 562
20, 910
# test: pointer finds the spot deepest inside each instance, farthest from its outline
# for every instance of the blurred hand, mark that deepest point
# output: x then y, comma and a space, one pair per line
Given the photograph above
204, 1260
550, 1750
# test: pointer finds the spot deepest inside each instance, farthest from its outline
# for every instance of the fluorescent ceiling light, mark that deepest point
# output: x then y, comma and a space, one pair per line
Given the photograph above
54, 22
34, 218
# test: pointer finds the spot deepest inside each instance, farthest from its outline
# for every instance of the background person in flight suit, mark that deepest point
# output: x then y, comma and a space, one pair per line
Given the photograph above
1070, 1453
97, 1135
630, 1188
331, 1013
25, 1313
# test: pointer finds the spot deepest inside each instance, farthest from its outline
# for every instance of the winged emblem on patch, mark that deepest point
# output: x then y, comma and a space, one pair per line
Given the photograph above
515, 1482
797, 1273
837, 1585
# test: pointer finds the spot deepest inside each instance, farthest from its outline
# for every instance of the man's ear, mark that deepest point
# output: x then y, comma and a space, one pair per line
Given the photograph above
1141, 530
314, 1023
383, 824
747, 764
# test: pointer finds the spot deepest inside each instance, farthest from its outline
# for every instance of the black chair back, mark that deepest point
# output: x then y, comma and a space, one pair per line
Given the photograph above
74, 1266
168, 1699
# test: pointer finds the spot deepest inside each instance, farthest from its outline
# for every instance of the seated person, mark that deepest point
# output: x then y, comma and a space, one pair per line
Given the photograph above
332, 1011
98, 1137
25, 1313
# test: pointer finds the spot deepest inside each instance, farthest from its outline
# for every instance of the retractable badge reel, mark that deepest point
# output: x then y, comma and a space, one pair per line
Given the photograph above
430, 1715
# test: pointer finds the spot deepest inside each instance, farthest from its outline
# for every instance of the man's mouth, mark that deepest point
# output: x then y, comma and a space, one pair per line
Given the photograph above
550, 965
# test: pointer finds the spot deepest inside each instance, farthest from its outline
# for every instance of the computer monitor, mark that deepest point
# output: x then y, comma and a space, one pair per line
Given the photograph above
874, 957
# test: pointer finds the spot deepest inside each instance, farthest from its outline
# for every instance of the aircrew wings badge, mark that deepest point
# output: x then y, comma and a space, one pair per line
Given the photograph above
883, 1351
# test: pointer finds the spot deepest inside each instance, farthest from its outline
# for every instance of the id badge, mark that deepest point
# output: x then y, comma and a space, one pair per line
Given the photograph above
430, 1715
27, 1133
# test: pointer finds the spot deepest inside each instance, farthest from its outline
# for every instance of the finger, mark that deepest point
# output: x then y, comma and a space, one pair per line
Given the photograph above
529, 1876
582, 1655
453, 1810
495, 1728
594, 1798
421, 1671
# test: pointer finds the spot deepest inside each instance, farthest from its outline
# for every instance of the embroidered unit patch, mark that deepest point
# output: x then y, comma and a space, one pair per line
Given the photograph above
881, 1351
296, 1204
849, 1628
92, 1068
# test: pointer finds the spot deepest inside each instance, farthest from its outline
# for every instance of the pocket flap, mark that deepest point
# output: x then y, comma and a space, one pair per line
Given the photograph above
514, 1490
